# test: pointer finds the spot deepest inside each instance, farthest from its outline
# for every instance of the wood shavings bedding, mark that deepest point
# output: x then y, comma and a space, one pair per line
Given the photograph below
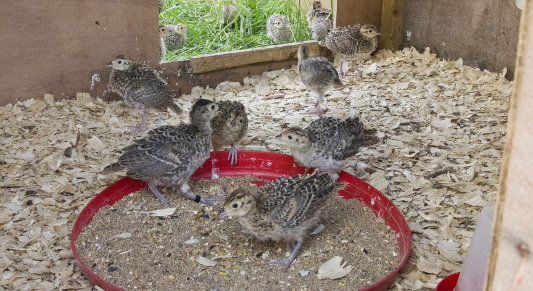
441, 127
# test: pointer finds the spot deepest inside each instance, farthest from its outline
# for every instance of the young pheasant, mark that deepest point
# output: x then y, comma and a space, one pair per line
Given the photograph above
326, 143
278, 28
163, 31
176, 37
169, 155
317, 74
161, 4
229, 127
282, 209
141, 87
320, 21
229, 12
353, 43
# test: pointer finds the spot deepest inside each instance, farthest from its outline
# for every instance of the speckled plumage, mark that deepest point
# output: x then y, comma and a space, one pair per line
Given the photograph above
169, 155
352, 43
177, 36
317, 73
229, 127
229, 12
163, 31
320, 21
326, 143
140, 86
282, 209
278, 28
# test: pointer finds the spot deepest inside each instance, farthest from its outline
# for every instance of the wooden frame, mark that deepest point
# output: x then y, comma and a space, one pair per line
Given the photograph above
511, 263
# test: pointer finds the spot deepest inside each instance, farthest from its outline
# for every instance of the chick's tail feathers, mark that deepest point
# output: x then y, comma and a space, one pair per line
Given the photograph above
338, 83
112, 168
175, 108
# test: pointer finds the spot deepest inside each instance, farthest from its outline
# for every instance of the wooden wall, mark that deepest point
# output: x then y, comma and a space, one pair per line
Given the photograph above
484, 32
57, 46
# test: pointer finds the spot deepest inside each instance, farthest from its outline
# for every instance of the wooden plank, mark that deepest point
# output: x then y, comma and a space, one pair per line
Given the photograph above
512, 241
350, 12
391, 24
57, 46
275, 53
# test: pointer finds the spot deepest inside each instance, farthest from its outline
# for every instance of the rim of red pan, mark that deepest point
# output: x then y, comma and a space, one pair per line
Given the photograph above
264, 165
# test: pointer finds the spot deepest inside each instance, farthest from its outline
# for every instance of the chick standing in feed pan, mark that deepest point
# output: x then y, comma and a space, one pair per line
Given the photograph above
255, 164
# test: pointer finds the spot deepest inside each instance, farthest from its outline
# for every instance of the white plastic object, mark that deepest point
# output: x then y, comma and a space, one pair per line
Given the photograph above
474, 267
520, 4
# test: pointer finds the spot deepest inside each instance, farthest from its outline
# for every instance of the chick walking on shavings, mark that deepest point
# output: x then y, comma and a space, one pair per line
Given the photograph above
326, 143
320, 21
229, 127
163, 31
278, 28
352, 43
177, 36
317, 73
141, 87
282, 209
169, 155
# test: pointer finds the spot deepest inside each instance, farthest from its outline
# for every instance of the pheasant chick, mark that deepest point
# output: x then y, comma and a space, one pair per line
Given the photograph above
278, 28
282, 209
229, 127
353, 43
176, 37
320, 21
163, 31
317, 73
169, 155
141, 87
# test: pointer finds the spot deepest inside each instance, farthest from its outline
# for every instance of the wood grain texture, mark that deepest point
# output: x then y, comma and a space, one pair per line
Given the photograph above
57, 46
483, 33
219, 61
391, 24
513, 225
350, 12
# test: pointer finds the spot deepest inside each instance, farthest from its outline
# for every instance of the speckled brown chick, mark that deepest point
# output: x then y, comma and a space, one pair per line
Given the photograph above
229, 12
140, 86
282, 209
169, 155
229, 127
278, 28
352, 43
320, 21
326, 143
317, 73
177, 36
163, 31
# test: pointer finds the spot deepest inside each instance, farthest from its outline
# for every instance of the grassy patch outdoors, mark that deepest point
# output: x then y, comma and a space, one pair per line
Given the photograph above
207, 35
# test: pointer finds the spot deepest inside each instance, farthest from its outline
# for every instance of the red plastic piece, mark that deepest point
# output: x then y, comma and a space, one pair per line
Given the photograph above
264, 165
448, 283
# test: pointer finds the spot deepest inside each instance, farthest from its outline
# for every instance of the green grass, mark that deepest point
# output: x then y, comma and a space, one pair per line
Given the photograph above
207, 35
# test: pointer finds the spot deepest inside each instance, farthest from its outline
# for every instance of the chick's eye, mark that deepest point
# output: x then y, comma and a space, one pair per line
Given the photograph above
290, 136
235, 205
241, 121
120, 62
212, 107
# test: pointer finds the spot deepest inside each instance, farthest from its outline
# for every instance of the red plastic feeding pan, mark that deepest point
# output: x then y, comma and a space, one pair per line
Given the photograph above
264, 165
448, 283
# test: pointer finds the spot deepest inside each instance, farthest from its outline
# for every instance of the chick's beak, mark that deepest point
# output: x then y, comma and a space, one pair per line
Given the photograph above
223, 213
278, 136
109, 64
233, 122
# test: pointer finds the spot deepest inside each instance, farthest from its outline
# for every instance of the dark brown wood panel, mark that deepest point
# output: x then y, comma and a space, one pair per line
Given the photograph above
349, 12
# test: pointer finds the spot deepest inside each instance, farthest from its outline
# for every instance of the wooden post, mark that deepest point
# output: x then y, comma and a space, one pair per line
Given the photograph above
511, 262
391, 24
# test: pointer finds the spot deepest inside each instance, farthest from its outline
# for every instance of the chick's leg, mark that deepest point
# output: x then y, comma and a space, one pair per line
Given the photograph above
318, 110
341, 72
356, 67
186, 191
153, 187
142, 125
288, 261
232, 157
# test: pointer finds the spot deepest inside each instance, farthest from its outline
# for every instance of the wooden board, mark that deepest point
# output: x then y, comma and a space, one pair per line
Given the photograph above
350, 12
391, 24
225, 60
58, 46
513, 227
483, 33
